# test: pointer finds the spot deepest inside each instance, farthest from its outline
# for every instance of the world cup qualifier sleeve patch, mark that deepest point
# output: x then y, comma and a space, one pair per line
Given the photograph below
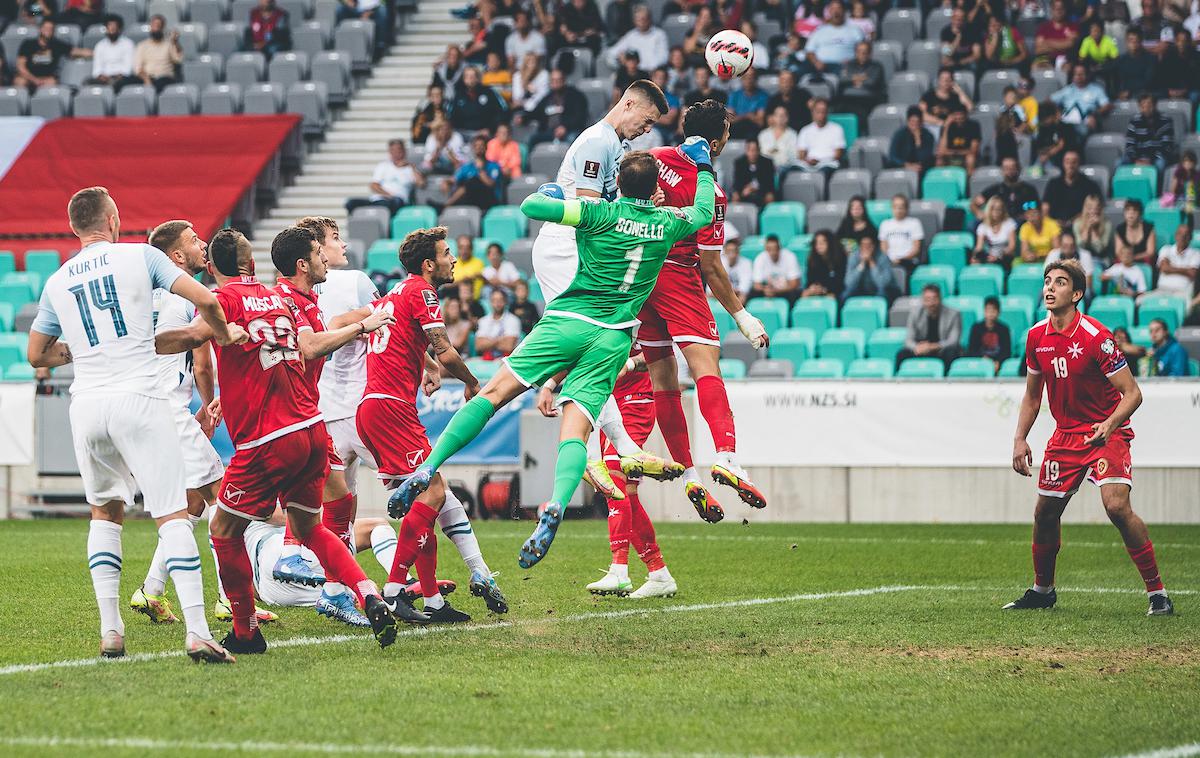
719, 214
591, 169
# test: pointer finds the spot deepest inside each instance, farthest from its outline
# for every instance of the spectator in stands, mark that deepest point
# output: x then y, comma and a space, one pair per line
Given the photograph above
1038, 235
580, 25
1028, 102
795, 101
1011, 106
561, 115
1065, 193
475, 48
776, 271
38, 59
832, 43
703, 89
990, 338
822, 143
1125, 277
648, 40
748, 105
84, 14
809, 15
393, 183
449, 68
945, 97
761, 53
855, 225
826, 269
477, 182
1178, 264
5, 73
373, 11
523, 308
1098, 51
668, 123
961, 50
1093, 231
862, 85
753, 176
618, 19
523, 41
1053, 139
429, 111
1055, 38
270, 29
996, 235
1068, 249
1006, 144
458, 325
1156, 30
530, 84
1169, 357
505, 152
860, 17
33, 12
869, 273
499, 273
474, 106
703, 28
1133, 351
1150, 136
741, 272
1003, 46
497, 77
1135, 235
155, 58
1179, 72
959, 142
1083, 101
900, 236
113, 56
1015, 192
498, 332
1183, 186
933, 330
445, 150
679, 73
913, 146
469, 268
1135, 70
629, 72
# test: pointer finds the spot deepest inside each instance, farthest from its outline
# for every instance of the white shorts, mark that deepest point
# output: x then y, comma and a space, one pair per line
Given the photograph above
264, 543
125, 442
201, 463
555, 260
350, 448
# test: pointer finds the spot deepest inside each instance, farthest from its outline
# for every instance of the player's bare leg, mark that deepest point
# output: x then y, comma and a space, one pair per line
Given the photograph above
1137, 542
1047, 538
568, 469
104, 564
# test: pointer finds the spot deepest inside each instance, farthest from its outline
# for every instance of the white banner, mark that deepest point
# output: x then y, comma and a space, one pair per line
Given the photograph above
16, 424
925, 424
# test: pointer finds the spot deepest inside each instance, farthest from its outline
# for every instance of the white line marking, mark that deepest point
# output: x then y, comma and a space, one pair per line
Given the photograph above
1182, 751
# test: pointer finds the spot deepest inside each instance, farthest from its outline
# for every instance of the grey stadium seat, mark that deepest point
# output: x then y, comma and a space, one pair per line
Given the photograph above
870, 153
239, 10
204, 70
74, 72
825, 215
131, 11
1180, 112
288, 68
937, 20
1117, 121
901, 24
221, 100
582, 65
896, 181
325, 14
677, 26
332, 68
522, 187
1039, 182
546, 157
885, 120
226, 38
135, 101
907, 86
138, 32
72, 34
925, 55
771, 368
172, 10
744, 216
94, 34
901, 308
848, 182
298, 10
93, 101
1105, 149
310, 37
966, 80
179, 100
737, 347
984, 177
991, 86
462, 219
368, 223
51, 103
193, 38
1047, 82
311, 100
1100, 175
357, 38
929, 213
598, 94
803, 186
14, 101
244, 69
264, 98
12, 38
890, 55
208, 12
1189, 337
520, 254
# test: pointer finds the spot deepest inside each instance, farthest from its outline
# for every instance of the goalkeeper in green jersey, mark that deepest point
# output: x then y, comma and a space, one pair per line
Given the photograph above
588, 330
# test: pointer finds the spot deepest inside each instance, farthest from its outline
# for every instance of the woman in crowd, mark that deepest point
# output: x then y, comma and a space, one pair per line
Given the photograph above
996, 235
1136, 235
1092, 229
826, 271
855, 224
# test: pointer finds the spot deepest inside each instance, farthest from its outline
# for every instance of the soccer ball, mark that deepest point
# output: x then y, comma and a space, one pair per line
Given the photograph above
729, 53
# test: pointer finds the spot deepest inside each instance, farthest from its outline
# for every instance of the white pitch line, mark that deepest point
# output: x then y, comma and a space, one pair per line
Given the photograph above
1180, 751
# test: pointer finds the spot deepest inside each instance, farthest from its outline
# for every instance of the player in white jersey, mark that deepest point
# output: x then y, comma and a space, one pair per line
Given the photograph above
589, 171
96, 311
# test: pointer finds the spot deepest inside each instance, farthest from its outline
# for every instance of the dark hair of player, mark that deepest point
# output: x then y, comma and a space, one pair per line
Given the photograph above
1073, 271
649, 91
318, 225
88, 209
223, 251
420, 245
291, 245
638, 175
166, 235
706, 119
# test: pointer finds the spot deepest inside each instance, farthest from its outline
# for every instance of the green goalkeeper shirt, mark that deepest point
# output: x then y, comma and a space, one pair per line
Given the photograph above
622, 247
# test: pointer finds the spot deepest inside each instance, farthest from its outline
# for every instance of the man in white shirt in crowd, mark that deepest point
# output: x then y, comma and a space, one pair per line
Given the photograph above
822, 143
900, 236
112, 57
498, 332
1177, 265
649, 41
394, 181
499, 273
156, 57
832, 43
776, 271
740, 270
522, 40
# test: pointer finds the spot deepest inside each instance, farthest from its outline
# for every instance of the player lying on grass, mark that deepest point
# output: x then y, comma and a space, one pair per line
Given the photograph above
586, 331
1092, 394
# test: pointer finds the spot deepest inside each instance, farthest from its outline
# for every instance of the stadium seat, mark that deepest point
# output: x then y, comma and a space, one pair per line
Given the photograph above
870, 368
546, 157
744, 217
412, 217
929, 213
179, 100
310, 100
207, 12
845, 345
460, 219
1027, 281
1114, 311
246, 68
30, 279
820, 368
889, 53
921, 368
1169, 309
311, 38
942, 276
925, 55
901, 24
907, 86
784, 219
221, 100
1020, 303
725, 323
1017, 321
803, 187
368, 223
970, 310
1010, 367
983, 279
1137, 182
885, 343
482, 369
767, 368
16, 294
93, 102
732, 369
263, 98
972, 368
14, 101
51, 103
522, 187
991, 86
172, 10
1104, 149
849, 124
848, 182
356, 37
946, 184
383, 255
8, 262
1164, 220
734, 345
520, 254
74, 72
135, 101
7, 315
868, 153
597, 91
288, 68
885, 120
895, 181
772, 311
504, 223
815, 313
795, 344
950, 254
879, 210
865, 313
41, 262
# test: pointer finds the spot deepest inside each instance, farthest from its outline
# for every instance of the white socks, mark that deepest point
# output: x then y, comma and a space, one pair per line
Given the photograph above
383, 545
289, 550
455, 525
1043, 590
727, 459
613, 426
104, 562
691, 475
182, 559
619, 570
156, 577
660, 574
594, 451
435, 602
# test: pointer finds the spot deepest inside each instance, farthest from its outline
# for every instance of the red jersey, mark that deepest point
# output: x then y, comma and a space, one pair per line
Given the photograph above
307, 316
1075, 365
677, 180
263, 384
396, 353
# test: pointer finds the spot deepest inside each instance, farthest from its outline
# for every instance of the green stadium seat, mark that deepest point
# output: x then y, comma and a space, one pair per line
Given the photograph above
1193, 367
8, 262
29, 278
732, 368
1010, 367
879, 210
1113, 311
1018, 303
752, 245
1170, 309
17, 294
1027, 281
948, 254
1018, 344
504, 224
383, 255
721, 317
1016, 320
772, 311
785, 219
866, 313
946, 184
795, 344
965, 240
972, 368
1136, 182
820, 368
1165, 221
483, 370
849, 124
20, 372
801, 247
984, 279
535, 292
921, 368
42, 262
815, 313
845, 345
7, 314
412, 217
870, 368
942, 276
11, 355
886, 342
970, 309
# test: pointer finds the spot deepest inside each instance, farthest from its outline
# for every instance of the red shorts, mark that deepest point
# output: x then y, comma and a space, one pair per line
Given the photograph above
392, 431
637, 412
677, 311
1068, 461
335, 460
290, 470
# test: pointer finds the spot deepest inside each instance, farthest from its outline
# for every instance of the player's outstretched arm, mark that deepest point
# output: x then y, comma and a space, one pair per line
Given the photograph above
210, 310
1131, 398
717, 279
542, 207
319, 344
1031, 404
446, 355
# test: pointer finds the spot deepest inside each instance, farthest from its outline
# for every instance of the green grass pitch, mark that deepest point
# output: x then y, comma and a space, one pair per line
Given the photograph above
815, 640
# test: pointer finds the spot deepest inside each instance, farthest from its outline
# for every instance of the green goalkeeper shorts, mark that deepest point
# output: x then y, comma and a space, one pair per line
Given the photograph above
591, 355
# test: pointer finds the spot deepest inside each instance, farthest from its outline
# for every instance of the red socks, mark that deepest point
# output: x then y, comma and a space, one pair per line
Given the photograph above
233, 564
416, 535
619, 526
644, 538
337, 516
1143, 558
288, 537
714, 406
338, 562
668, 409
1044, 557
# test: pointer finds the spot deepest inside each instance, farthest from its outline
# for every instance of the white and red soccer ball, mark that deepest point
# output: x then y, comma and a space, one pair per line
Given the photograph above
729, 53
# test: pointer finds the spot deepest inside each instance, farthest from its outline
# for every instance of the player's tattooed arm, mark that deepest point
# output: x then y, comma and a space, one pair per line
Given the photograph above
183, 339
45, 351
446, 355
